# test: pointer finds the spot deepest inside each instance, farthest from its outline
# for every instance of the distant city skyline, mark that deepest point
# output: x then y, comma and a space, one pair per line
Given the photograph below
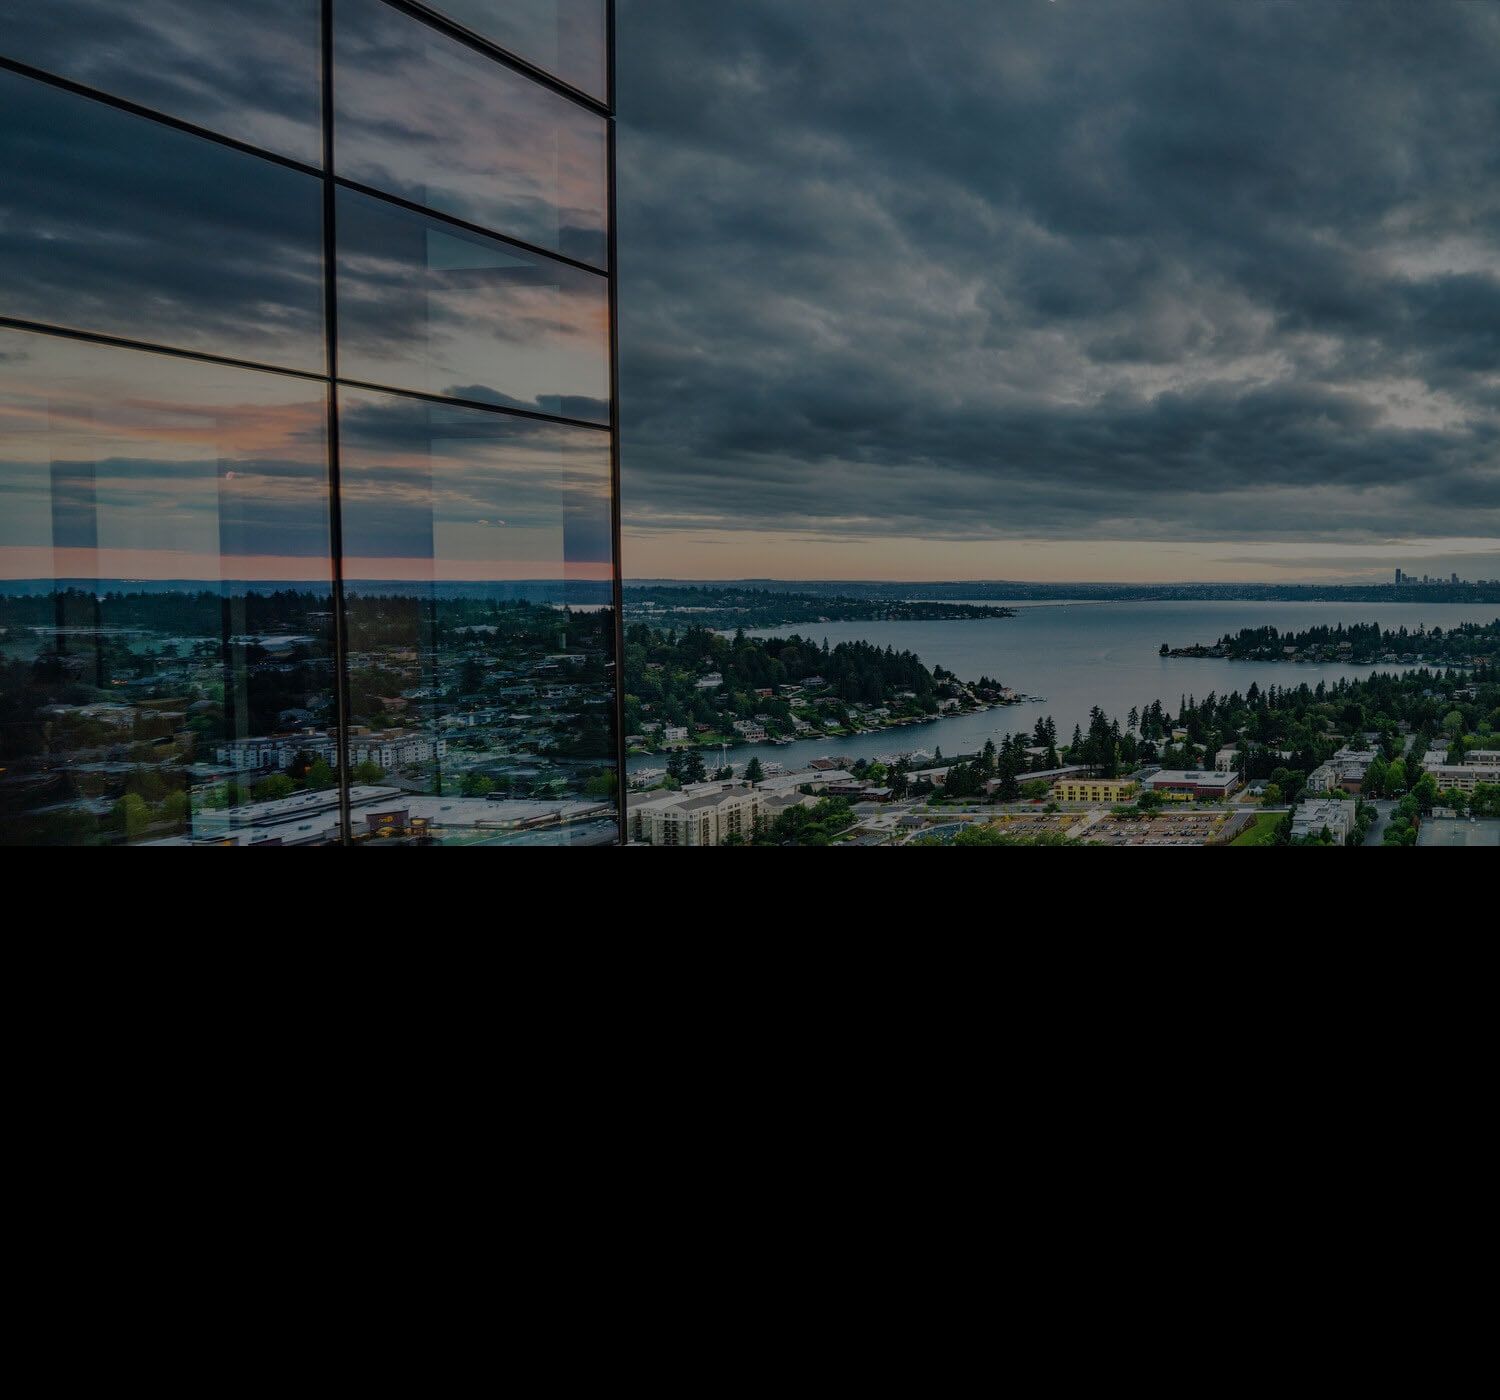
729, 555
1141, 290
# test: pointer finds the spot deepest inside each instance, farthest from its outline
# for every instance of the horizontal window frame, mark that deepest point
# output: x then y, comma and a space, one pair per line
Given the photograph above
412, 207
118, 342
603, 108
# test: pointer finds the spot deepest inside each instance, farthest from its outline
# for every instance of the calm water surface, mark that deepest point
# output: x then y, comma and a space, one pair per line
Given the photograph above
1083, 654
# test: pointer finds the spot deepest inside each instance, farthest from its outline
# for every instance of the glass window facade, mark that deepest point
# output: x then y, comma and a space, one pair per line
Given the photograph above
114, 223
308, 451
439, 309
424, 116
247, 69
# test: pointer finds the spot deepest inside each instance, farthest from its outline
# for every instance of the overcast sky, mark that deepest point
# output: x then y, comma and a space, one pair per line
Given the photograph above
1060, 288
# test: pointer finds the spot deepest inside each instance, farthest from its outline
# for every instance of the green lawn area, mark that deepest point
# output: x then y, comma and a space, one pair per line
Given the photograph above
1261, 832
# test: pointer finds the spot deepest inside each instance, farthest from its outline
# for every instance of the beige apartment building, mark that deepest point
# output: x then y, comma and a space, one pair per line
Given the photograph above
707, 818
1093, 789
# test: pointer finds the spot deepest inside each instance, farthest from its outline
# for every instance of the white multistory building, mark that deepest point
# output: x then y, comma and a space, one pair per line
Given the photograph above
274, 751
387, 749
395, 750
1313, 817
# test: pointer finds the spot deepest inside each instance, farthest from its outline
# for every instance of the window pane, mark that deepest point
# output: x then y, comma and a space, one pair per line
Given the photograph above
427, 118
477, 578
118, 224
245, 68
565, 37
165, 605
428, 306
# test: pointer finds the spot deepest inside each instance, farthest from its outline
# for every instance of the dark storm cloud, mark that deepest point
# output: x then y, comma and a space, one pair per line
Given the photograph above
1152, 268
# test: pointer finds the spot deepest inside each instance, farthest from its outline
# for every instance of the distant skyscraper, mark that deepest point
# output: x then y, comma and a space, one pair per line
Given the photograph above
308, 422
1398, 575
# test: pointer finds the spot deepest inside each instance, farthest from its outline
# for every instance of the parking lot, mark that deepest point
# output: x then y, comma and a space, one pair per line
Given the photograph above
1164, 829
1100, 827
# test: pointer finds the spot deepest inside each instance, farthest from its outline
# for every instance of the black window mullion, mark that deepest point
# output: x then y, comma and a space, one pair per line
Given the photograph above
616, 509
335, 508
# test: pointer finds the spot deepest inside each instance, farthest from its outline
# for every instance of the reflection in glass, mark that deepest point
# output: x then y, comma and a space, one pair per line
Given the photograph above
118, 224
477, 583
165, 605
243, 68
429, 306
567, 38
427, 118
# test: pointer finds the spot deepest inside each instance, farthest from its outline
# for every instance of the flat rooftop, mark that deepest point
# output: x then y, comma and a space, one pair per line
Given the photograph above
1459, 831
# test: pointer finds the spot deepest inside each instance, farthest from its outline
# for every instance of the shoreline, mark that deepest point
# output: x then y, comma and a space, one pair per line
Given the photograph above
634, 757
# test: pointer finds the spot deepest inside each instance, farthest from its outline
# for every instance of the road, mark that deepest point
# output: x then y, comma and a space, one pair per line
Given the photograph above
1383, 806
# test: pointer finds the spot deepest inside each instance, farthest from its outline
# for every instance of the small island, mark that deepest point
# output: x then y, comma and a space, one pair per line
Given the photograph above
731, 607
1360, 644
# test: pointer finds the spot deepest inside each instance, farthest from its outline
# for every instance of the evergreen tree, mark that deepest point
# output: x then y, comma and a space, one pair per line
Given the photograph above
1009, 768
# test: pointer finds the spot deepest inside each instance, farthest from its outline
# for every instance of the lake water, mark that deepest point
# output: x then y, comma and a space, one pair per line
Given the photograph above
1083, 654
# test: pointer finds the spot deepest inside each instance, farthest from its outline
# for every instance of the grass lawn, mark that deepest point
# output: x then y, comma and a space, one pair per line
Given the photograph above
1261, 832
